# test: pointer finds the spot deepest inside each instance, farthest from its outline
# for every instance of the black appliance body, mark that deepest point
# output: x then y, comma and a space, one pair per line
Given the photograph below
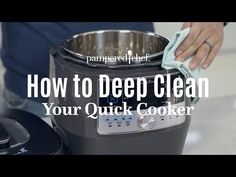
116, 134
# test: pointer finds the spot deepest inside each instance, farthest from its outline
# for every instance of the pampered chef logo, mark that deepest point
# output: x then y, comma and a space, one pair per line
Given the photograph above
129, 58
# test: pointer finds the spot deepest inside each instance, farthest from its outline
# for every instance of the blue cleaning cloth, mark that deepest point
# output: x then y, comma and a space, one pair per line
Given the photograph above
169, 62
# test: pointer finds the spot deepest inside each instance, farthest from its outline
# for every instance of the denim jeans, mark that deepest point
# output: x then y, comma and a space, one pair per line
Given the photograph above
14, 101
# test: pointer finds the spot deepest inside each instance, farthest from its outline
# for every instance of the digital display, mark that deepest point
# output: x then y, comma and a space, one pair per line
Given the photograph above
150, 98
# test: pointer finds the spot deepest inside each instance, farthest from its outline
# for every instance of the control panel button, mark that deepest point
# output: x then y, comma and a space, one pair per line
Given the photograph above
147, 122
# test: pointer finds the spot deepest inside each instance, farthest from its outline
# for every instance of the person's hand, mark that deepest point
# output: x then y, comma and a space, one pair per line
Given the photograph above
204, 41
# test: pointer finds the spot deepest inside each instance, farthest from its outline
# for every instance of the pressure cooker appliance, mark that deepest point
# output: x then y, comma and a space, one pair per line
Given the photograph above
116, 134
22, 133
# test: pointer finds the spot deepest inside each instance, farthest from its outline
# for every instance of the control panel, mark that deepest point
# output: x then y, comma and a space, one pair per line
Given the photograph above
117, 124
123, 123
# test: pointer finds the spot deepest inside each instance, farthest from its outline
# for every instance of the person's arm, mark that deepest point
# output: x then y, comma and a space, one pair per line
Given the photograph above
204, 40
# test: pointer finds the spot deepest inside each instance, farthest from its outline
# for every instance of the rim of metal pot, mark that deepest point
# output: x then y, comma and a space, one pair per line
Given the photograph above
83, 57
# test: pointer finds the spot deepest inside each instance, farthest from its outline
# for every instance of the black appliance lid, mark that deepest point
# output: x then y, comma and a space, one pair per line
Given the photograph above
24, 133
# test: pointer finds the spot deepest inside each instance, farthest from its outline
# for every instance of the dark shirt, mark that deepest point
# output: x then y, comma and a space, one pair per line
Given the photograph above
26, 46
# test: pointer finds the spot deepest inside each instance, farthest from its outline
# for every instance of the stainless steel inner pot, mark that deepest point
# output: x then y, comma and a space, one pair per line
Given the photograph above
116, 43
